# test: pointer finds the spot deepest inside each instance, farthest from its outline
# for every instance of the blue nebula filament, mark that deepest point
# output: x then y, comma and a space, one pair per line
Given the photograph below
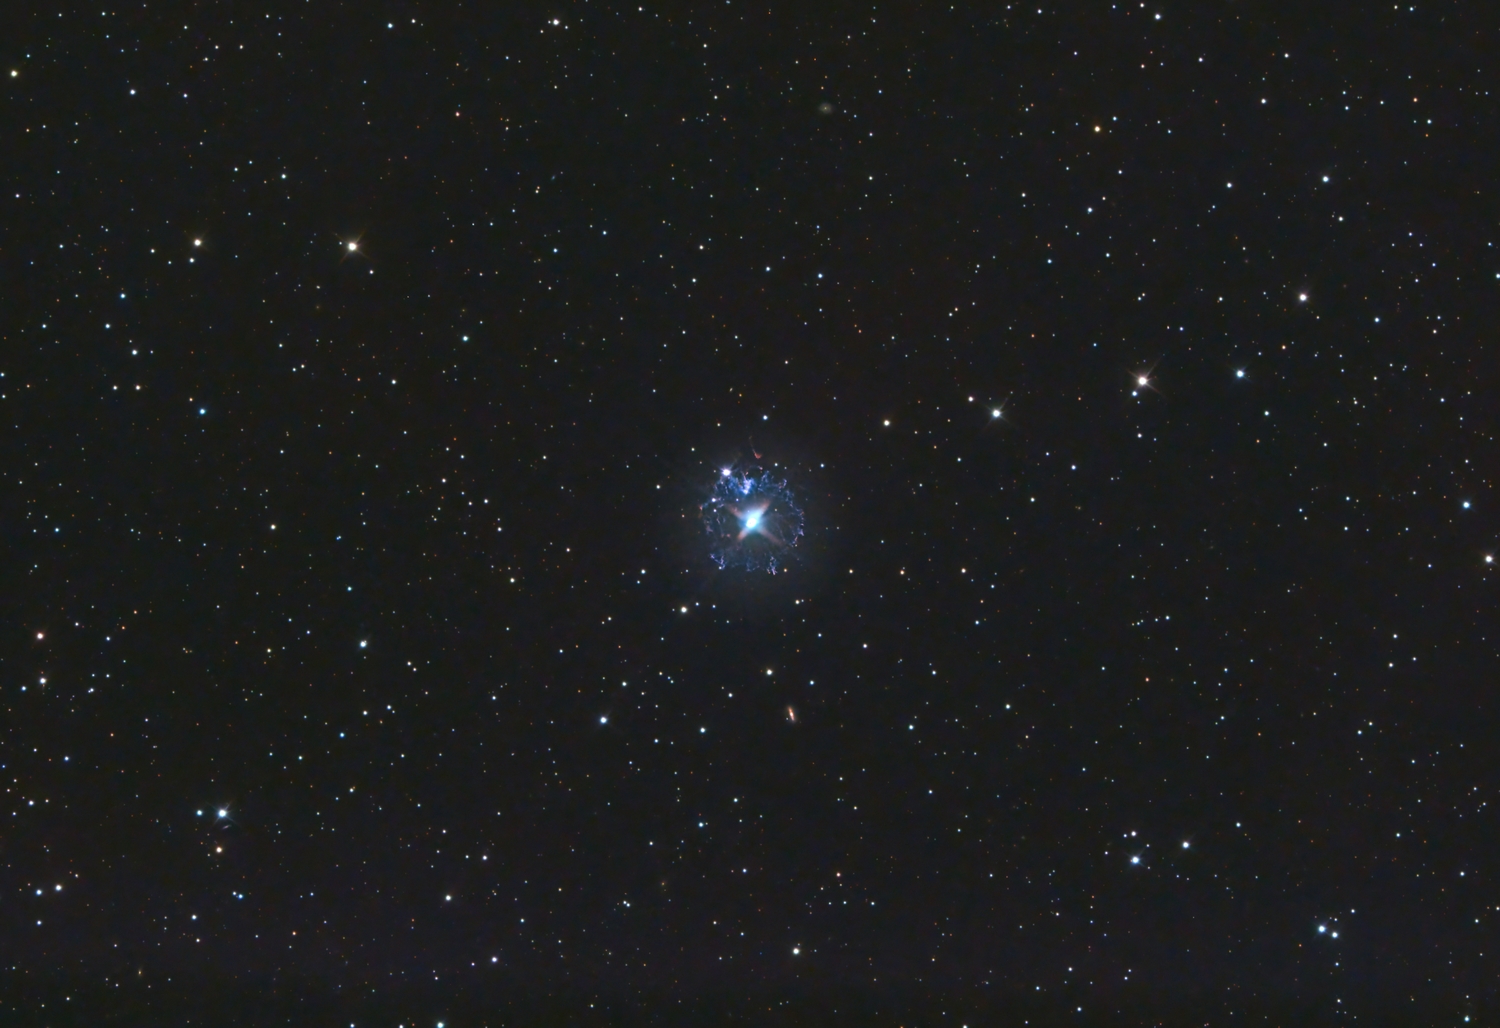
752, 520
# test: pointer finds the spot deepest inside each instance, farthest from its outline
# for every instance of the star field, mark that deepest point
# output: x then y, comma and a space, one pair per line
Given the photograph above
1114, 641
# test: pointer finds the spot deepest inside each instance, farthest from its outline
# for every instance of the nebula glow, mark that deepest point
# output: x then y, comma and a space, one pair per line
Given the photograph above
752, 520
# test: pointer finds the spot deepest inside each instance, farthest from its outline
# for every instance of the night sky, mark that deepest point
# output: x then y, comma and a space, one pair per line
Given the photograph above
1092, 410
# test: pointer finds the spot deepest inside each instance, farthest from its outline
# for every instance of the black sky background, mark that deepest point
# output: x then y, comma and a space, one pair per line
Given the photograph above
392, 553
